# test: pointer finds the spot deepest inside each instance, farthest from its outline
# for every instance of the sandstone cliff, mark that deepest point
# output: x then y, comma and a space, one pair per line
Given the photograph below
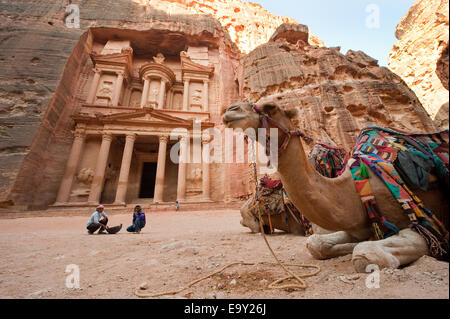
337, 95
44, 69
43, 64
248, 24
423, 35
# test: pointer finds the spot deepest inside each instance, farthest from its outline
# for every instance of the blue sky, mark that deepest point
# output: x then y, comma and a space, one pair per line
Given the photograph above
343, 22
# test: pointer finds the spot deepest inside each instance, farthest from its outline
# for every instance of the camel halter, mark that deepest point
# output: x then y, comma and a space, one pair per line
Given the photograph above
267, 122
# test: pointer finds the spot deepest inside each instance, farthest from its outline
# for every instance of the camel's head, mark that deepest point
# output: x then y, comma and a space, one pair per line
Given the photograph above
245, 115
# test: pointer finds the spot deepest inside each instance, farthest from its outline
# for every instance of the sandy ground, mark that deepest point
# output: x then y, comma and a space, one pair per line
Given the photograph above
176, 248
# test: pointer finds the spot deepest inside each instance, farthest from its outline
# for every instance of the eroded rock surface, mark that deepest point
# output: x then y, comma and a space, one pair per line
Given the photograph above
46, 71
423, 35
337, 95
44, 68
248, 24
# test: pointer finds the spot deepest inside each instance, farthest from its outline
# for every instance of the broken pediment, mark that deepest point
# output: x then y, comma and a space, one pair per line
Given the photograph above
193, 69
122, 60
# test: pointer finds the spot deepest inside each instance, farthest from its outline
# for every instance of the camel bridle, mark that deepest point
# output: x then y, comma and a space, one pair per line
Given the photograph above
267, 122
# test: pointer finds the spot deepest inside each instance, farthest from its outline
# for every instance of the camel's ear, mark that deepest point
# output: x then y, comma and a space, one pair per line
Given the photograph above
291, 113
269, 108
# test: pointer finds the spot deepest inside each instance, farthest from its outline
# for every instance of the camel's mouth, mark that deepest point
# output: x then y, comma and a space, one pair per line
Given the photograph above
229, 118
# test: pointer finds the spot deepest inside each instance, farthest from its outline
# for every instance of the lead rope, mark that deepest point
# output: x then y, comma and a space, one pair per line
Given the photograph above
139, 291
301, 282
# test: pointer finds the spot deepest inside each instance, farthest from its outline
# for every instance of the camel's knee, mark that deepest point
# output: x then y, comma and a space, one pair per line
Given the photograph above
329, 245
318, 247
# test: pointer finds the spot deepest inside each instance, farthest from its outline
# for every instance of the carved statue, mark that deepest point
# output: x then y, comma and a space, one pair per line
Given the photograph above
197, 96
159, 58
195, 174
153, 94
85, 175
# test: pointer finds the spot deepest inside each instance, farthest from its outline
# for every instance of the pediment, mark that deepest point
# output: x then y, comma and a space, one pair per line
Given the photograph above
147, 115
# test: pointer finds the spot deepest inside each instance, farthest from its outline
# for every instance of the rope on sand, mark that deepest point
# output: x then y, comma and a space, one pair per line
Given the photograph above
274, 285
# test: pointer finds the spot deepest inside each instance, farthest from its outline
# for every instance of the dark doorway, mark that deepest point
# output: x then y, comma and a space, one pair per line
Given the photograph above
148, 180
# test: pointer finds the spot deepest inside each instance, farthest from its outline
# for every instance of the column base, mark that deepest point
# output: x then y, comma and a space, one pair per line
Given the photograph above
60, 203
120, 203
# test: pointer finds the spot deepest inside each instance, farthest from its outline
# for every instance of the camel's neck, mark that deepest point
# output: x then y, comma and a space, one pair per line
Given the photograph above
331, 203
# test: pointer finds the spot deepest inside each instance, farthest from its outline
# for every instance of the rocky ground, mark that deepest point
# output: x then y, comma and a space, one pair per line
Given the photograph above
176, 248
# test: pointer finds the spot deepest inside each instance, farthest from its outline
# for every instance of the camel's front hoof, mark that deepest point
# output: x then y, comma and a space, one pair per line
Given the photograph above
360, 264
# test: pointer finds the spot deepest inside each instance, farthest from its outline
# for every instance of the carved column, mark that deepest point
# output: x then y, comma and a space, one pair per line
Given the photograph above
117, 89
94, 86
181, 186
71, 167
186, 95
160, 169
99, 175
205, 171
162, 94
145, 92
125, 169
205, 96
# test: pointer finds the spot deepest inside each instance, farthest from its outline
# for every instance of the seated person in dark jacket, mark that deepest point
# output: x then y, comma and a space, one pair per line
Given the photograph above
98, 220
138, 220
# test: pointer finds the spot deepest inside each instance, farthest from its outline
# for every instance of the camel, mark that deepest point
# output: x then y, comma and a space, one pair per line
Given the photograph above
250, 220
334, 204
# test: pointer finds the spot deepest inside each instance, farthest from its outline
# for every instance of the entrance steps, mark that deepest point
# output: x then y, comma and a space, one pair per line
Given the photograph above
82, 209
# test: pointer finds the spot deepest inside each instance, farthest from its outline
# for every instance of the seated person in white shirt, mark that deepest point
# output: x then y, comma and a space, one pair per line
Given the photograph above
98, 220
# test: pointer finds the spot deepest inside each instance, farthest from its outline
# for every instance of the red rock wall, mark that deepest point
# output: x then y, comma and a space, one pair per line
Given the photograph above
43, 67
337, 94
423, 35
248, 24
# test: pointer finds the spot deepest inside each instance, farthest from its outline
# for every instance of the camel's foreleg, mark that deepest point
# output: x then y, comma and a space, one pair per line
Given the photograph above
391, 252
331, 245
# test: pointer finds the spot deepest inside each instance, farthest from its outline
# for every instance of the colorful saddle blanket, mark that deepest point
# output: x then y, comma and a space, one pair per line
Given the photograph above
403, 162
329, 161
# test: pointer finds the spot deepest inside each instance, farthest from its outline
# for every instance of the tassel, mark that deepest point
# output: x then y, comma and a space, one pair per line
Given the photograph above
378, 233
363, 172
392, 227
435, 247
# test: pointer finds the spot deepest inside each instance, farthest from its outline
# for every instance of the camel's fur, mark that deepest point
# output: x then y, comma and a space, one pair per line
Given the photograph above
334, 203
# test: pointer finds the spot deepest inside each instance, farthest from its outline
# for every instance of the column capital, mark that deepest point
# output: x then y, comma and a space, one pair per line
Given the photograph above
96, 70
183, 138
163, 138
79, 133
206, 141
120, 72
107, 136
130, 136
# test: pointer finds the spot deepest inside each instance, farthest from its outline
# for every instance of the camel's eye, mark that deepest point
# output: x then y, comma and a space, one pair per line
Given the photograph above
233, 108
